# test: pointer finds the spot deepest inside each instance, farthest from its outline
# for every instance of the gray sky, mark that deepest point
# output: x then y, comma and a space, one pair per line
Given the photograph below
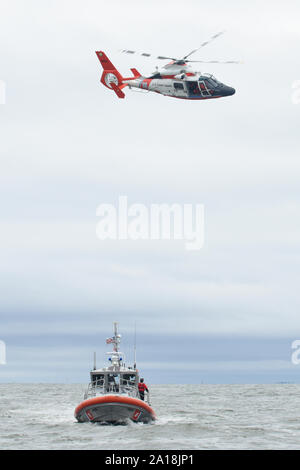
68, 144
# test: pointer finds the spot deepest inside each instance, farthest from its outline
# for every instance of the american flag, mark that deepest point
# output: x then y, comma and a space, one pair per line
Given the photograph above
109, 340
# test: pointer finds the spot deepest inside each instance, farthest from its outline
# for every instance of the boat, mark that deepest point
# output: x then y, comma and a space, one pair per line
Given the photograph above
112, 396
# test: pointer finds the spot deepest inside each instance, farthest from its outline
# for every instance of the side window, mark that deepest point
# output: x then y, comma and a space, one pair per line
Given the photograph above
178, 86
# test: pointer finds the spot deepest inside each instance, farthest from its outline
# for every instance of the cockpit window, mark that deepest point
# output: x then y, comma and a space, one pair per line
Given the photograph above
211, 79
212, 82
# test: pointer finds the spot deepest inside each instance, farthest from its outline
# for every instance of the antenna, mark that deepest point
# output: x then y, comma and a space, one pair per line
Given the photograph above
116, 336
134, 365
95, 367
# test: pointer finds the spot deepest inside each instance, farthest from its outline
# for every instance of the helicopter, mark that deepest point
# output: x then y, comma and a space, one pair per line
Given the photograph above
176, 79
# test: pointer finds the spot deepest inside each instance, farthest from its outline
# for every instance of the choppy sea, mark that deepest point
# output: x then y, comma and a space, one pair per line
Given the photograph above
189, 417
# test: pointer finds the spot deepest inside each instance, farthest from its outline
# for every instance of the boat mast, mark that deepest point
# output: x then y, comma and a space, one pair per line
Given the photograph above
116, 339
116, 355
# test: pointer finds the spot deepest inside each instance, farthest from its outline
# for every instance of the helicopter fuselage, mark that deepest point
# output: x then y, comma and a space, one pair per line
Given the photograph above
191, 87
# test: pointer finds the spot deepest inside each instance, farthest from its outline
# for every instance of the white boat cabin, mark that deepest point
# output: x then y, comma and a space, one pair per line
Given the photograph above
114, 381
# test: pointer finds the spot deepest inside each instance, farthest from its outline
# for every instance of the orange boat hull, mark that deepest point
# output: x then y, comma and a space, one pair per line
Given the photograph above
114, 409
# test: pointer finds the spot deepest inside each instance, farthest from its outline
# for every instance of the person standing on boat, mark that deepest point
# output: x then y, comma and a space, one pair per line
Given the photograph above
142, 388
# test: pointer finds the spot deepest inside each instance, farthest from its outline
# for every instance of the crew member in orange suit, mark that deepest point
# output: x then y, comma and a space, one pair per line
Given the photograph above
142, 387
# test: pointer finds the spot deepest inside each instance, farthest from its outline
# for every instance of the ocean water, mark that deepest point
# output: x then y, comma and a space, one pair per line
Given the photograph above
189, 417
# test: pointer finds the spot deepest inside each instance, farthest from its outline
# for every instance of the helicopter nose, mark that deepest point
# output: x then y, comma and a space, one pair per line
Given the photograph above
228, 91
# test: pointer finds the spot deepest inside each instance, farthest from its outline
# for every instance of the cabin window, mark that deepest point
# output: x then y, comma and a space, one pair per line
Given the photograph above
113, 382
128, 379
113, 378
178, 86
203, 89
193, 88
99, 378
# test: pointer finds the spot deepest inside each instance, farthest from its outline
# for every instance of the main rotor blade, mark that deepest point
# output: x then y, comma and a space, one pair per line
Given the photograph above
163, 57
215, 61
145, 54
215, 36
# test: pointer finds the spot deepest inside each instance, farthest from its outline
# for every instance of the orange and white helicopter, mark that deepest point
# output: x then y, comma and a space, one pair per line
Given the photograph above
175, 79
